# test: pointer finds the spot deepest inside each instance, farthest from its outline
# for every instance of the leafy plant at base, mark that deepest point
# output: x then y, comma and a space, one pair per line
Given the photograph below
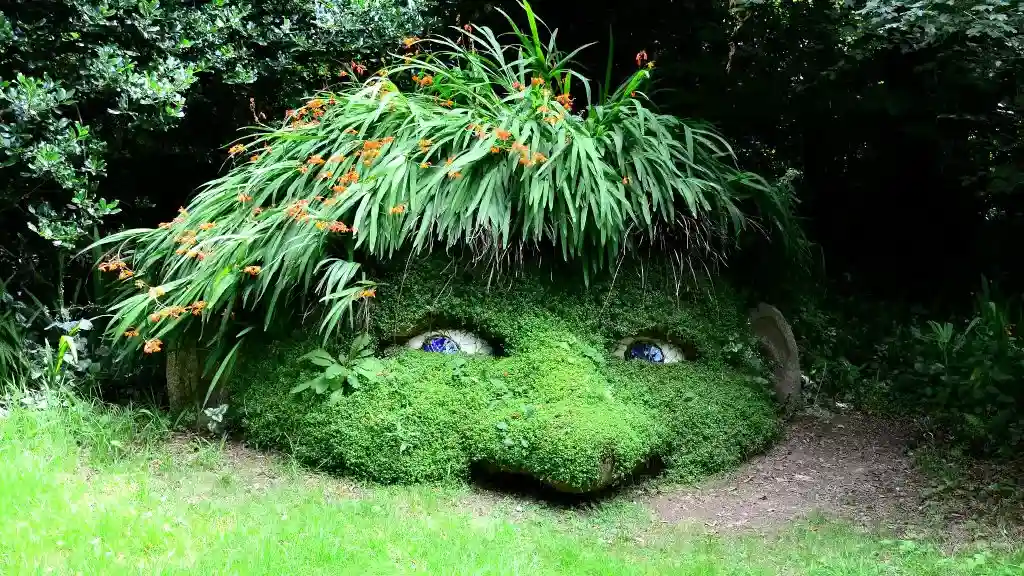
345, 373
483, 149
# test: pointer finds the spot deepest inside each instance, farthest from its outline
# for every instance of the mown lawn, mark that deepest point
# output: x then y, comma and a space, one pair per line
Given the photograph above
93, 491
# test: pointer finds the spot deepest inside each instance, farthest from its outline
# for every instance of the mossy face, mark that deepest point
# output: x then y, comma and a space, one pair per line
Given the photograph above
550, 393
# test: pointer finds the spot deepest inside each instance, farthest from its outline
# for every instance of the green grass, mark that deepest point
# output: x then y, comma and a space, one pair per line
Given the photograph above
91, 491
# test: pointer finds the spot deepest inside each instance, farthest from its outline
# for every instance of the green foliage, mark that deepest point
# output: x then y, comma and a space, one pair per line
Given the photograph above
966, 375
345, 373
91, 89
554, 404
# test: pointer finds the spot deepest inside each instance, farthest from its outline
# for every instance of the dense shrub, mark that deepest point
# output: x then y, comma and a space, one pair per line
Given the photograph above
554, 404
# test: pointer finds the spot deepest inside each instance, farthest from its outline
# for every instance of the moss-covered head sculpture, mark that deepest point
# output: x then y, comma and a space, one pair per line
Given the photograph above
498, 148
576, 387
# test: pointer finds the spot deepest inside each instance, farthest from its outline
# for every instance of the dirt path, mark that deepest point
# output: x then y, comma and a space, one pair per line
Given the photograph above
850, 466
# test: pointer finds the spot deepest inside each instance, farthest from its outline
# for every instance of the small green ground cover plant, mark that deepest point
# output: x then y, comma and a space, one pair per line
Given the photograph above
552, 396
73, 502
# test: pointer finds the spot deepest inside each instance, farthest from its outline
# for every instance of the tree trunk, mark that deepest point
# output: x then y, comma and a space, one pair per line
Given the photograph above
183, 375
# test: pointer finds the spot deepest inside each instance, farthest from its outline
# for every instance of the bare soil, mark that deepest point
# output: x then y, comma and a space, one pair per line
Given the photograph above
855, 467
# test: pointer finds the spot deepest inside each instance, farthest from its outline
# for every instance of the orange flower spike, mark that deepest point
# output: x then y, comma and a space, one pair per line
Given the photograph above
495, 150
303, 169
131, 333
539, 158
455, 175
399, 209
156, 317
252, 270
387, 139
536, 81
502, 134
152, 346
315, 160
330, 201
370, 293
543, 109
125, 274
207, 225
339, 189
518, 86
351, 131
257, 211
197, 308
243, 198
180, 251
254, 158
236, 149
410, 41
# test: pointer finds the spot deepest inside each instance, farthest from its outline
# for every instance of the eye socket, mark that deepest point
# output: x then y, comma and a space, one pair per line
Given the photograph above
649, 350
451, 342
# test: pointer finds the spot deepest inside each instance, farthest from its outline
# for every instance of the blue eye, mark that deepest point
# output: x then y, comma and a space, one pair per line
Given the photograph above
645, 351
441, 344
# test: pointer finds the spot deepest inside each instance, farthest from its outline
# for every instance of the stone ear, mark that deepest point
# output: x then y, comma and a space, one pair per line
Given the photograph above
776, 337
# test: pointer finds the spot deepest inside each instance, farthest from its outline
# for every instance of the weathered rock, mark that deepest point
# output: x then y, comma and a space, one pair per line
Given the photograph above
776, 336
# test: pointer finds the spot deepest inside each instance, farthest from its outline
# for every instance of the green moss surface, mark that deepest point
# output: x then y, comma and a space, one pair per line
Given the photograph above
553, 403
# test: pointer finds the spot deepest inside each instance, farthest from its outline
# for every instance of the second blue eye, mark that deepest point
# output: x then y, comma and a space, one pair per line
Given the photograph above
645, 351
441, 344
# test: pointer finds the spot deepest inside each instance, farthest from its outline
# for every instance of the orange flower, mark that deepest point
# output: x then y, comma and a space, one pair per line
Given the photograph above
399, 209
518, 86
152, 346
502, 134
252, 270
369, 293
339, 189
425, 165
337, 158
254, 158
125, 274
315, 103
543, 109
641, 57
131, 333
315, 160
206, 226
536, 81
358, 68
351, 131
408, 42
626, 180
553, 119
448, 103
320, 225
351, 177
236, 149
337, 227
425, 145
495, 149
342, 74
257, 211
455, 175
330, 201
303, 169
325, 175
539, 158
156, 317
243, 198
180, 251
387, 140
449, 161
525, 160
164, 225
197, 308
427, 80
565, 100
518, 147
174, 311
